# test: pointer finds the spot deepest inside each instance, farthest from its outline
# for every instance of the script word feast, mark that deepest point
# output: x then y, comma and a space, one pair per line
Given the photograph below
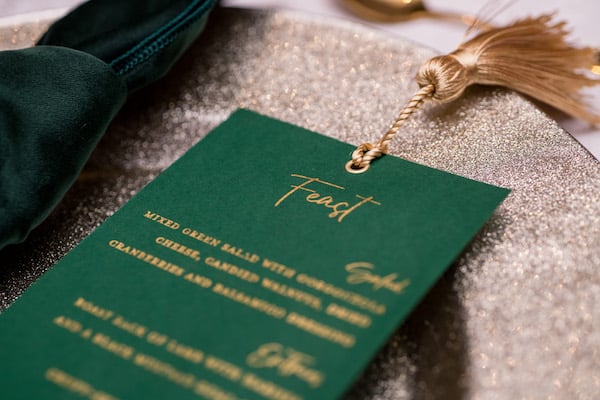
338, 209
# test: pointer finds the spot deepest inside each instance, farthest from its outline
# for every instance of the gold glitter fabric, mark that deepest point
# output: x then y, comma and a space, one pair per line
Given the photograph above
515, 317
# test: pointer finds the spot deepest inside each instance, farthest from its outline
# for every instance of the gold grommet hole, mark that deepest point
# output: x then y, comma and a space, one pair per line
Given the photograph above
354, 170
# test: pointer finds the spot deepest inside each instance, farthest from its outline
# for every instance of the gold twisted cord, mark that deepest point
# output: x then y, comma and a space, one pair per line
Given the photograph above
367, 152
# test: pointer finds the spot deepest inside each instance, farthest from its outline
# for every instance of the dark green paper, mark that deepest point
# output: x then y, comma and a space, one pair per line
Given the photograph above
172, 322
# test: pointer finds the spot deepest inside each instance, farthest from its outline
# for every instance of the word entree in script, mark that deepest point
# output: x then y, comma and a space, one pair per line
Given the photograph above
339, 210
287, 362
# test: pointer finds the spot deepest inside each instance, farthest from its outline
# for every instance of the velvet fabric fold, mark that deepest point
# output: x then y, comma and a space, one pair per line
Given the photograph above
140, 39
58, 98
55, 104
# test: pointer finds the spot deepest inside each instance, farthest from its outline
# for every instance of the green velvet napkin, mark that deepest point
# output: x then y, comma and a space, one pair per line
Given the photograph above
57, 99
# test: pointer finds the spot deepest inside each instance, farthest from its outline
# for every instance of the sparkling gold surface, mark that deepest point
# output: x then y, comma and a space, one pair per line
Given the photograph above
515, 317
16, 36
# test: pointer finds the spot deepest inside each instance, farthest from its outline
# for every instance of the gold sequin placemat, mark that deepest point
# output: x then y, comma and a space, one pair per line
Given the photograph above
515, 317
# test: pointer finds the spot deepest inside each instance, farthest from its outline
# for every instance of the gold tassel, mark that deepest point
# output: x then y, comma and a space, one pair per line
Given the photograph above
530, 56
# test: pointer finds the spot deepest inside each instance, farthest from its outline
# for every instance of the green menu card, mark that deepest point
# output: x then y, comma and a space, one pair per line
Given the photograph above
255, 267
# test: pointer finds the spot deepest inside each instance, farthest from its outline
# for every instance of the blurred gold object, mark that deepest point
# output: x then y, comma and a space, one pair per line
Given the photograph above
401, 10
596, 67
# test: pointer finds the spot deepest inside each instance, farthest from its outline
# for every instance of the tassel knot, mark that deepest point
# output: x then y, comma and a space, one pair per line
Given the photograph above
448, 76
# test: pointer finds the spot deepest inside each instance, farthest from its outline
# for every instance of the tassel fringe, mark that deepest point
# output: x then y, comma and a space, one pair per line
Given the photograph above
530, 56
